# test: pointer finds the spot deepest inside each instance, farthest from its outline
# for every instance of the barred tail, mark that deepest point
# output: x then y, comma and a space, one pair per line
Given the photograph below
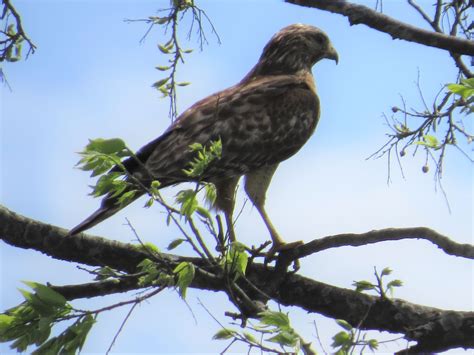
108, 207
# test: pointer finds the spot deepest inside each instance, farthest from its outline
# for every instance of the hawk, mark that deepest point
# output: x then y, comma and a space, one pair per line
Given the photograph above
263, 120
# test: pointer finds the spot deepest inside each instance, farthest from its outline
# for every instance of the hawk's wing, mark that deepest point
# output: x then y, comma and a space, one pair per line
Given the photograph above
259, 123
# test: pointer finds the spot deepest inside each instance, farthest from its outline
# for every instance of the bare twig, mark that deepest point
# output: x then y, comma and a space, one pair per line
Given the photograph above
121, 327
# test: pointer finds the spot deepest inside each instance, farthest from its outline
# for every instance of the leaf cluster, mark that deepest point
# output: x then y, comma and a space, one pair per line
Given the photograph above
153, 275
205, 155
344, 342
379, 287
465, 89
433, 129
103, 158
13, 51
235, 260
31, 322
273, 327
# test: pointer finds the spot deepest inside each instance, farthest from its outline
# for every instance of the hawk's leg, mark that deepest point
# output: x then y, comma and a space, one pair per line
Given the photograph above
225, 201
256, 185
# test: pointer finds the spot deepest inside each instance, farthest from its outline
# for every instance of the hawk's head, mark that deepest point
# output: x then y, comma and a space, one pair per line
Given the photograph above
293, 49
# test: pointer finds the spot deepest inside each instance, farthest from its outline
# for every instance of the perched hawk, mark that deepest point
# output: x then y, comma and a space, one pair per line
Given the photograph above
261, 121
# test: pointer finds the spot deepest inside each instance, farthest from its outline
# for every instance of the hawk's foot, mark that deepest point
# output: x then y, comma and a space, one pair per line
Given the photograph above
278, 247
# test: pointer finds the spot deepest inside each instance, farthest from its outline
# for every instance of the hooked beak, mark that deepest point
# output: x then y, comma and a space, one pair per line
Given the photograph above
332, 54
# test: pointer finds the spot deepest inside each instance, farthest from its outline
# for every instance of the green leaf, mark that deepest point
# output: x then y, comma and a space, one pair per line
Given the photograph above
160, 83
210, 194
185, 83
469, 83
344, 324
175, 243
41, 307
196, 147
99, 166
109, 183
145, 264
162, 68
11, 30
465, 89
386, 271
250, 338
285, 338
5, 323
70, 341
106, 146
26, 294
431, 141
163, 49
149, 202
204, 156
341, 339
127, 197
105, 273
42, 333
395, 283
188, 201
373, 344
363, 286
224, 334
83, 330
155, 185
277, 319
237, 259
204, 213
18, 47
150, 247
185, 272
47, 294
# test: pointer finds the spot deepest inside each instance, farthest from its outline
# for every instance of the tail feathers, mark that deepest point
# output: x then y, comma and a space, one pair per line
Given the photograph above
108, 207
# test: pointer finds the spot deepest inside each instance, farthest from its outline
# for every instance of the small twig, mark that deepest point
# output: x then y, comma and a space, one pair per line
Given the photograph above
121, 327
318, 338
19, 26
423, 14
200, 240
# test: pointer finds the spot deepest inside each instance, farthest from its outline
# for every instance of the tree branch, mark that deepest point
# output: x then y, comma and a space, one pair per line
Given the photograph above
20, 32
376, 236
359, 14
433, 329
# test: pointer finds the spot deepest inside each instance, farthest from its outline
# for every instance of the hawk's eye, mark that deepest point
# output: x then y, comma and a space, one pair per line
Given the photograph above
318, 38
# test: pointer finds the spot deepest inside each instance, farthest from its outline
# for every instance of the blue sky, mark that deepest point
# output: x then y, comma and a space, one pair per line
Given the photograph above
92, 78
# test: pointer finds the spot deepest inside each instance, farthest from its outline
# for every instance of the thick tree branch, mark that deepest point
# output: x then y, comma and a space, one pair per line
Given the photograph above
27, 233
433, 329
95, 289
359, 14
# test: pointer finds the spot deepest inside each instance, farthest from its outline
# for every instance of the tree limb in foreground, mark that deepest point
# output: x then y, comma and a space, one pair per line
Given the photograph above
433, 329
359, 14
